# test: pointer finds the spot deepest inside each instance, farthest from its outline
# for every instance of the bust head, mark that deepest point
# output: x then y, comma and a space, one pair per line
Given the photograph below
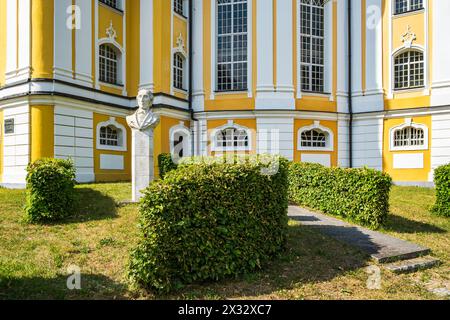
145, 99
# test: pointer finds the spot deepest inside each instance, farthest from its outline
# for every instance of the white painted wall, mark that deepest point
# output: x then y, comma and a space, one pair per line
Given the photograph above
74, 139
83, 44
16, 147
343, 143
440, 144
63, 39
368, 143
275, 135
198, 94
146, 44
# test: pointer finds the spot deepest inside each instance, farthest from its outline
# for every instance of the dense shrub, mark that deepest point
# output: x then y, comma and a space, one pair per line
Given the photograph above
50, 190
359, 195
165, 164
209, 220
442, 182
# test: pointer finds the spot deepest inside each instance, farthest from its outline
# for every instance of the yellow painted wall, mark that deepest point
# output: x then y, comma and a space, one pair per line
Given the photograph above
112, 175
406, 174
1, 145
2, 41
315, 103
42, 38
105, 16
42, 132
332, 125
248, 123
162, 41
162, 138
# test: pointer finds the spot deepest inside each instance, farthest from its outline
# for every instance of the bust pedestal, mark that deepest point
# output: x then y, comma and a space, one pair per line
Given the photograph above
142, 162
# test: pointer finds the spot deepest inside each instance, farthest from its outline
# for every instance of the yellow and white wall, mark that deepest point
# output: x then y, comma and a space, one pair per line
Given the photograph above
50, 86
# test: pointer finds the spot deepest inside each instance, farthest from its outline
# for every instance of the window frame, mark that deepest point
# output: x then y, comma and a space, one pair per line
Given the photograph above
176, 69
248, 57
118, 61
409, 124
408, 10
408, 51
121, 135
118, 6
184, 131
230, 125
183, 8
329, 138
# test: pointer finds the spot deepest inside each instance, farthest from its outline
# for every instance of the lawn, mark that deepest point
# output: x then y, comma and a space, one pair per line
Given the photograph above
34, 259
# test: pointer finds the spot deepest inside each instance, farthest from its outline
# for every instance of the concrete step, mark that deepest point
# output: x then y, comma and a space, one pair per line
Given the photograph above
412, 265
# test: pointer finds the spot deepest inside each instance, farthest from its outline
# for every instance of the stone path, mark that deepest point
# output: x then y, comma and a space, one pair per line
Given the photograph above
381, 247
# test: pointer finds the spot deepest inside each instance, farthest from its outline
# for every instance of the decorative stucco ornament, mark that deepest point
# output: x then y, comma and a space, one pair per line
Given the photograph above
408, 37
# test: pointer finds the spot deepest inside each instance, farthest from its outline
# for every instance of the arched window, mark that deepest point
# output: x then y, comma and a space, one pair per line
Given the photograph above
402, 6
109, 64
178, 71
409, 70
180, 142
315, 138
111, 135
409, 136
231, 137
312, 45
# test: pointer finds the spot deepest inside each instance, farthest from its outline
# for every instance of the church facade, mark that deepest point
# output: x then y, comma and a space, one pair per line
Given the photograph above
348, 83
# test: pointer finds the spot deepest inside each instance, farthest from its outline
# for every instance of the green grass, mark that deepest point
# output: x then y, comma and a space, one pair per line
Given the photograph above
34, 258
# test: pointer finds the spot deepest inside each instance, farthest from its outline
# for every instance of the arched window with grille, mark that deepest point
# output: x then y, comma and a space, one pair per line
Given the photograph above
109, 64
409, 70
178, 71
231, 137
315, 138
409, 136
111, 135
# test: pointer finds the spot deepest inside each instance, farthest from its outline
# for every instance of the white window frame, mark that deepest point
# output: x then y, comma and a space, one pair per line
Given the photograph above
409, 10
180, 129
184, 9
183, 71
408, 123
119, 5
120, 63
329, 135
401, 51
214, 47
122, 135
230, 125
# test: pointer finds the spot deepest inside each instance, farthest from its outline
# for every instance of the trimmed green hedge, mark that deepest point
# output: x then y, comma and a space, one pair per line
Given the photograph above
207, 221
165, 164
359, 195
50, 190
442, 182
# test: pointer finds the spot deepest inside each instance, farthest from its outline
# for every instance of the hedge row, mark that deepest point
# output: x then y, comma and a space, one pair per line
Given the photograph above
165, 164
359, 195
209, 220
442, 182
50, 190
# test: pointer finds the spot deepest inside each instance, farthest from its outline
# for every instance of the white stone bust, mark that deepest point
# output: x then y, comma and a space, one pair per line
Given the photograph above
143, 118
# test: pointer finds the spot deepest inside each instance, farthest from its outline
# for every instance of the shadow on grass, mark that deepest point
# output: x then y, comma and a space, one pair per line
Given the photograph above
310, 257
400, 224
40, 288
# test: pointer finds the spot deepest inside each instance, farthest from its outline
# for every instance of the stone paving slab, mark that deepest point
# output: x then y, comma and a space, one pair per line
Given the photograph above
381, 247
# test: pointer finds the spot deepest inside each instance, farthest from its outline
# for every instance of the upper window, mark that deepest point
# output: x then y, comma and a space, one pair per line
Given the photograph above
109, 61
402, 6
409, 70
232, 42
312, 33
112, 3
178, 70
178, 6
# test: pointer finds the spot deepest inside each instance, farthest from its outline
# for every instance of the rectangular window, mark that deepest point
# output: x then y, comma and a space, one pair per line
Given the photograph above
232, 42
402, 6
312, 51
112, 3
9, 126
178, 7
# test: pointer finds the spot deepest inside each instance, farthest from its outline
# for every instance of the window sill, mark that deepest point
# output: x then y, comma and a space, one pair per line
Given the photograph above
316, 94
408, 13
326, 149
409, 90
225, 92
111, 148
117, 10
181, 16
112, 85
231, 149
179, 90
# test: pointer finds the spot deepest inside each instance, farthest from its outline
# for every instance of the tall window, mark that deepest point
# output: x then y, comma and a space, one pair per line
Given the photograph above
108, 64
402, 6
232, 45
178, 6
312, 45
409, 137
112, 3
178, 65
409, 70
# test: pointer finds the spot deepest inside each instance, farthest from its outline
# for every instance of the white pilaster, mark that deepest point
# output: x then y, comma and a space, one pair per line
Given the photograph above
441, 54
374, 48
198, 94
83, 44
264, 33
285, 65
356, 48
328, 50
342, 56
62, 69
